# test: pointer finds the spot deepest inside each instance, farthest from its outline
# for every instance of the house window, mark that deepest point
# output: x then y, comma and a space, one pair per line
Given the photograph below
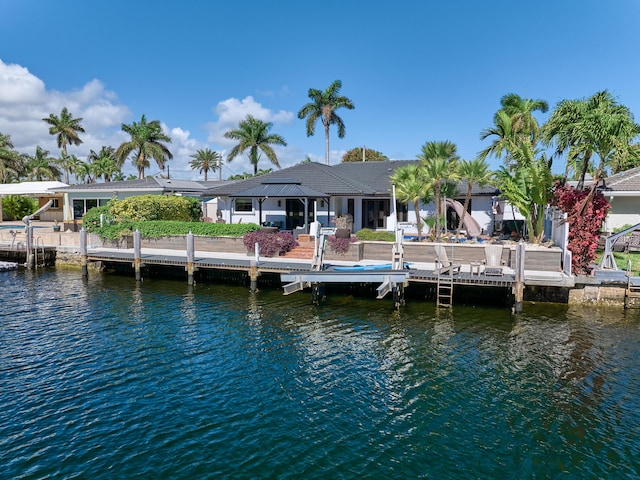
244, 205
83, 205
55, 204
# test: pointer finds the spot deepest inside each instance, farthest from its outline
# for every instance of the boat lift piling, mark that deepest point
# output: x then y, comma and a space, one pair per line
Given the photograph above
83, 252
137, 255
190, 258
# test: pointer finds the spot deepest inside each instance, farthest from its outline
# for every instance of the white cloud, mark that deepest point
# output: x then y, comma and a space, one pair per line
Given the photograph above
231, 111
25, 101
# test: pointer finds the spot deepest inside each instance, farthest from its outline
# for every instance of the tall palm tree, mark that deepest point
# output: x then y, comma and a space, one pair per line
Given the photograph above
103, 163
205, 160
146, 142
440, 162
474, 172
521, 112
503, 137
66, 129
412, 187
597, 125
254, 135
42, 167
324, 106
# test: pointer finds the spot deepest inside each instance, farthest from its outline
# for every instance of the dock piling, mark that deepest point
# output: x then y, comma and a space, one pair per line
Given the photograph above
190, 258
83, 252
137, 255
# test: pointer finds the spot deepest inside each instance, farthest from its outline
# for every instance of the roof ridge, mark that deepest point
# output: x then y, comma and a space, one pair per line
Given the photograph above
623, 176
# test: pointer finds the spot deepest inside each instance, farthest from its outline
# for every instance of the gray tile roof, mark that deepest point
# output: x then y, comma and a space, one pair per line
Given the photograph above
149, 184
627, 181
351, 178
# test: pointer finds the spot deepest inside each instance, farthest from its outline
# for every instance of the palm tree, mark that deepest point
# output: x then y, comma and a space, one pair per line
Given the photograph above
412, 187
597, 125
205, 160
84, 173
253, 134
103, 163
528, 188
521, 112
474, 172
440, 163
145, 143
323, 105
42, 167
68, 164
66, 129
11, 163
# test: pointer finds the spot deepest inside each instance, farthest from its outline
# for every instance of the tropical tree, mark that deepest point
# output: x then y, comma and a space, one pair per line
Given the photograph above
324, 105
66, 129
146, 142
412, 187
11, 163
598, 126
520, 110
84, 173
254, 135
42, 167
474, 172
205, 160
440, 163
357, 154
68, 164
104, 163
528, 188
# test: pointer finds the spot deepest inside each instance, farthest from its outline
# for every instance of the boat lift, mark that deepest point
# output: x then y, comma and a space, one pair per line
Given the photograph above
608, 262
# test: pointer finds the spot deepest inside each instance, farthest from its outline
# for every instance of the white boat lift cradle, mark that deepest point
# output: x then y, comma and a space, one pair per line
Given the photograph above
392, 280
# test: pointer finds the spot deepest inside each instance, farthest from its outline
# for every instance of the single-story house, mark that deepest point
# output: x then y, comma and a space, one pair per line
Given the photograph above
43, 191
291, 198
622, 190
77, 199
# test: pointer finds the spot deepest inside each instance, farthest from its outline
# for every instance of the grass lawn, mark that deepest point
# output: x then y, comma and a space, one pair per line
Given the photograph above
621, 259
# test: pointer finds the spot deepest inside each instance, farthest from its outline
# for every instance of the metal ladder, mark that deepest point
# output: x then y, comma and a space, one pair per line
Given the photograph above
632, 293
444, 295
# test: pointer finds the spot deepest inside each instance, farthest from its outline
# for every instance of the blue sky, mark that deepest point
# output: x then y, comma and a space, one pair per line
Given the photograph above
416, 70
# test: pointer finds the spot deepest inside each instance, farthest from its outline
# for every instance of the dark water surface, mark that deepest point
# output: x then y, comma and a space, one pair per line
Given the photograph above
109, 379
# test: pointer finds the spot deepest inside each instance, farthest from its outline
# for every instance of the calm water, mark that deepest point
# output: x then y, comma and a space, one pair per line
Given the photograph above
107, 379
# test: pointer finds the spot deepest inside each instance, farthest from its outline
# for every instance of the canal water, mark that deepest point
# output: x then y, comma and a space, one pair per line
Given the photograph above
104, 379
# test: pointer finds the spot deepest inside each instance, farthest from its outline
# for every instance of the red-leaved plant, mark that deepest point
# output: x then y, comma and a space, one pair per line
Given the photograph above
339, 245
271, 243
584, 224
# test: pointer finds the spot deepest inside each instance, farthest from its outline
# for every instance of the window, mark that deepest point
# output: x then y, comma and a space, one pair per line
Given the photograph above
244, 205
82, 205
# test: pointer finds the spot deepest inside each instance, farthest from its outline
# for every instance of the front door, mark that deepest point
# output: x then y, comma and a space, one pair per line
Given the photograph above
375, 213
295, 212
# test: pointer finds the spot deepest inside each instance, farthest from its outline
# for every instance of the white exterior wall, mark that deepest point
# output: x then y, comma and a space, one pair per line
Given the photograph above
624, 211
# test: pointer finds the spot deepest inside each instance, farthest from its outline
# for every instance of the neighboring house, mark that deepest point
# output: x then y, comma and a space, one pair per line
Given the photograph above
622, 190
293, 197
42, 191
77, 199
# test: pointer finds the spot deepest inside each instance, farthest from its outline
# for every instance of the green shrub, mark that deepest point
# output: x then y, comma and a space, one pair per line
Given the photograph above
15, 207
163, 228
155, 207
367, 234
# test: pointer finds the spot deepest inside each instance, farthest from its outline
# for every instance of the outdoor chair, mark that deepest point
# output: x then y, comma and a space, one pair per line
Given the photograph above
443, 264
493, 264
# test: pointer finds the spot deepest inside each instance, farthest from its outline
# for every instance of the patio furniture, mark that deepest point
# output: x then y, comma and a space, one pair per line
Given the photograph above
493, 264
443, 264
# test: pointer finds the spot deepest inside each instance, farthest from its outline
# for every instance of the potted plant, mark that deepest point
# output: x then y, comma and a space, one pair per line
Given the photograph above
56, 226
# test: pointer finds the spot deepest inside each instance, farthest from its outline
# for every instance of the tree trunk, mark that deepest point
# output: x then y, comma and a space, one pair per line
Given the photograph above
326, 143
